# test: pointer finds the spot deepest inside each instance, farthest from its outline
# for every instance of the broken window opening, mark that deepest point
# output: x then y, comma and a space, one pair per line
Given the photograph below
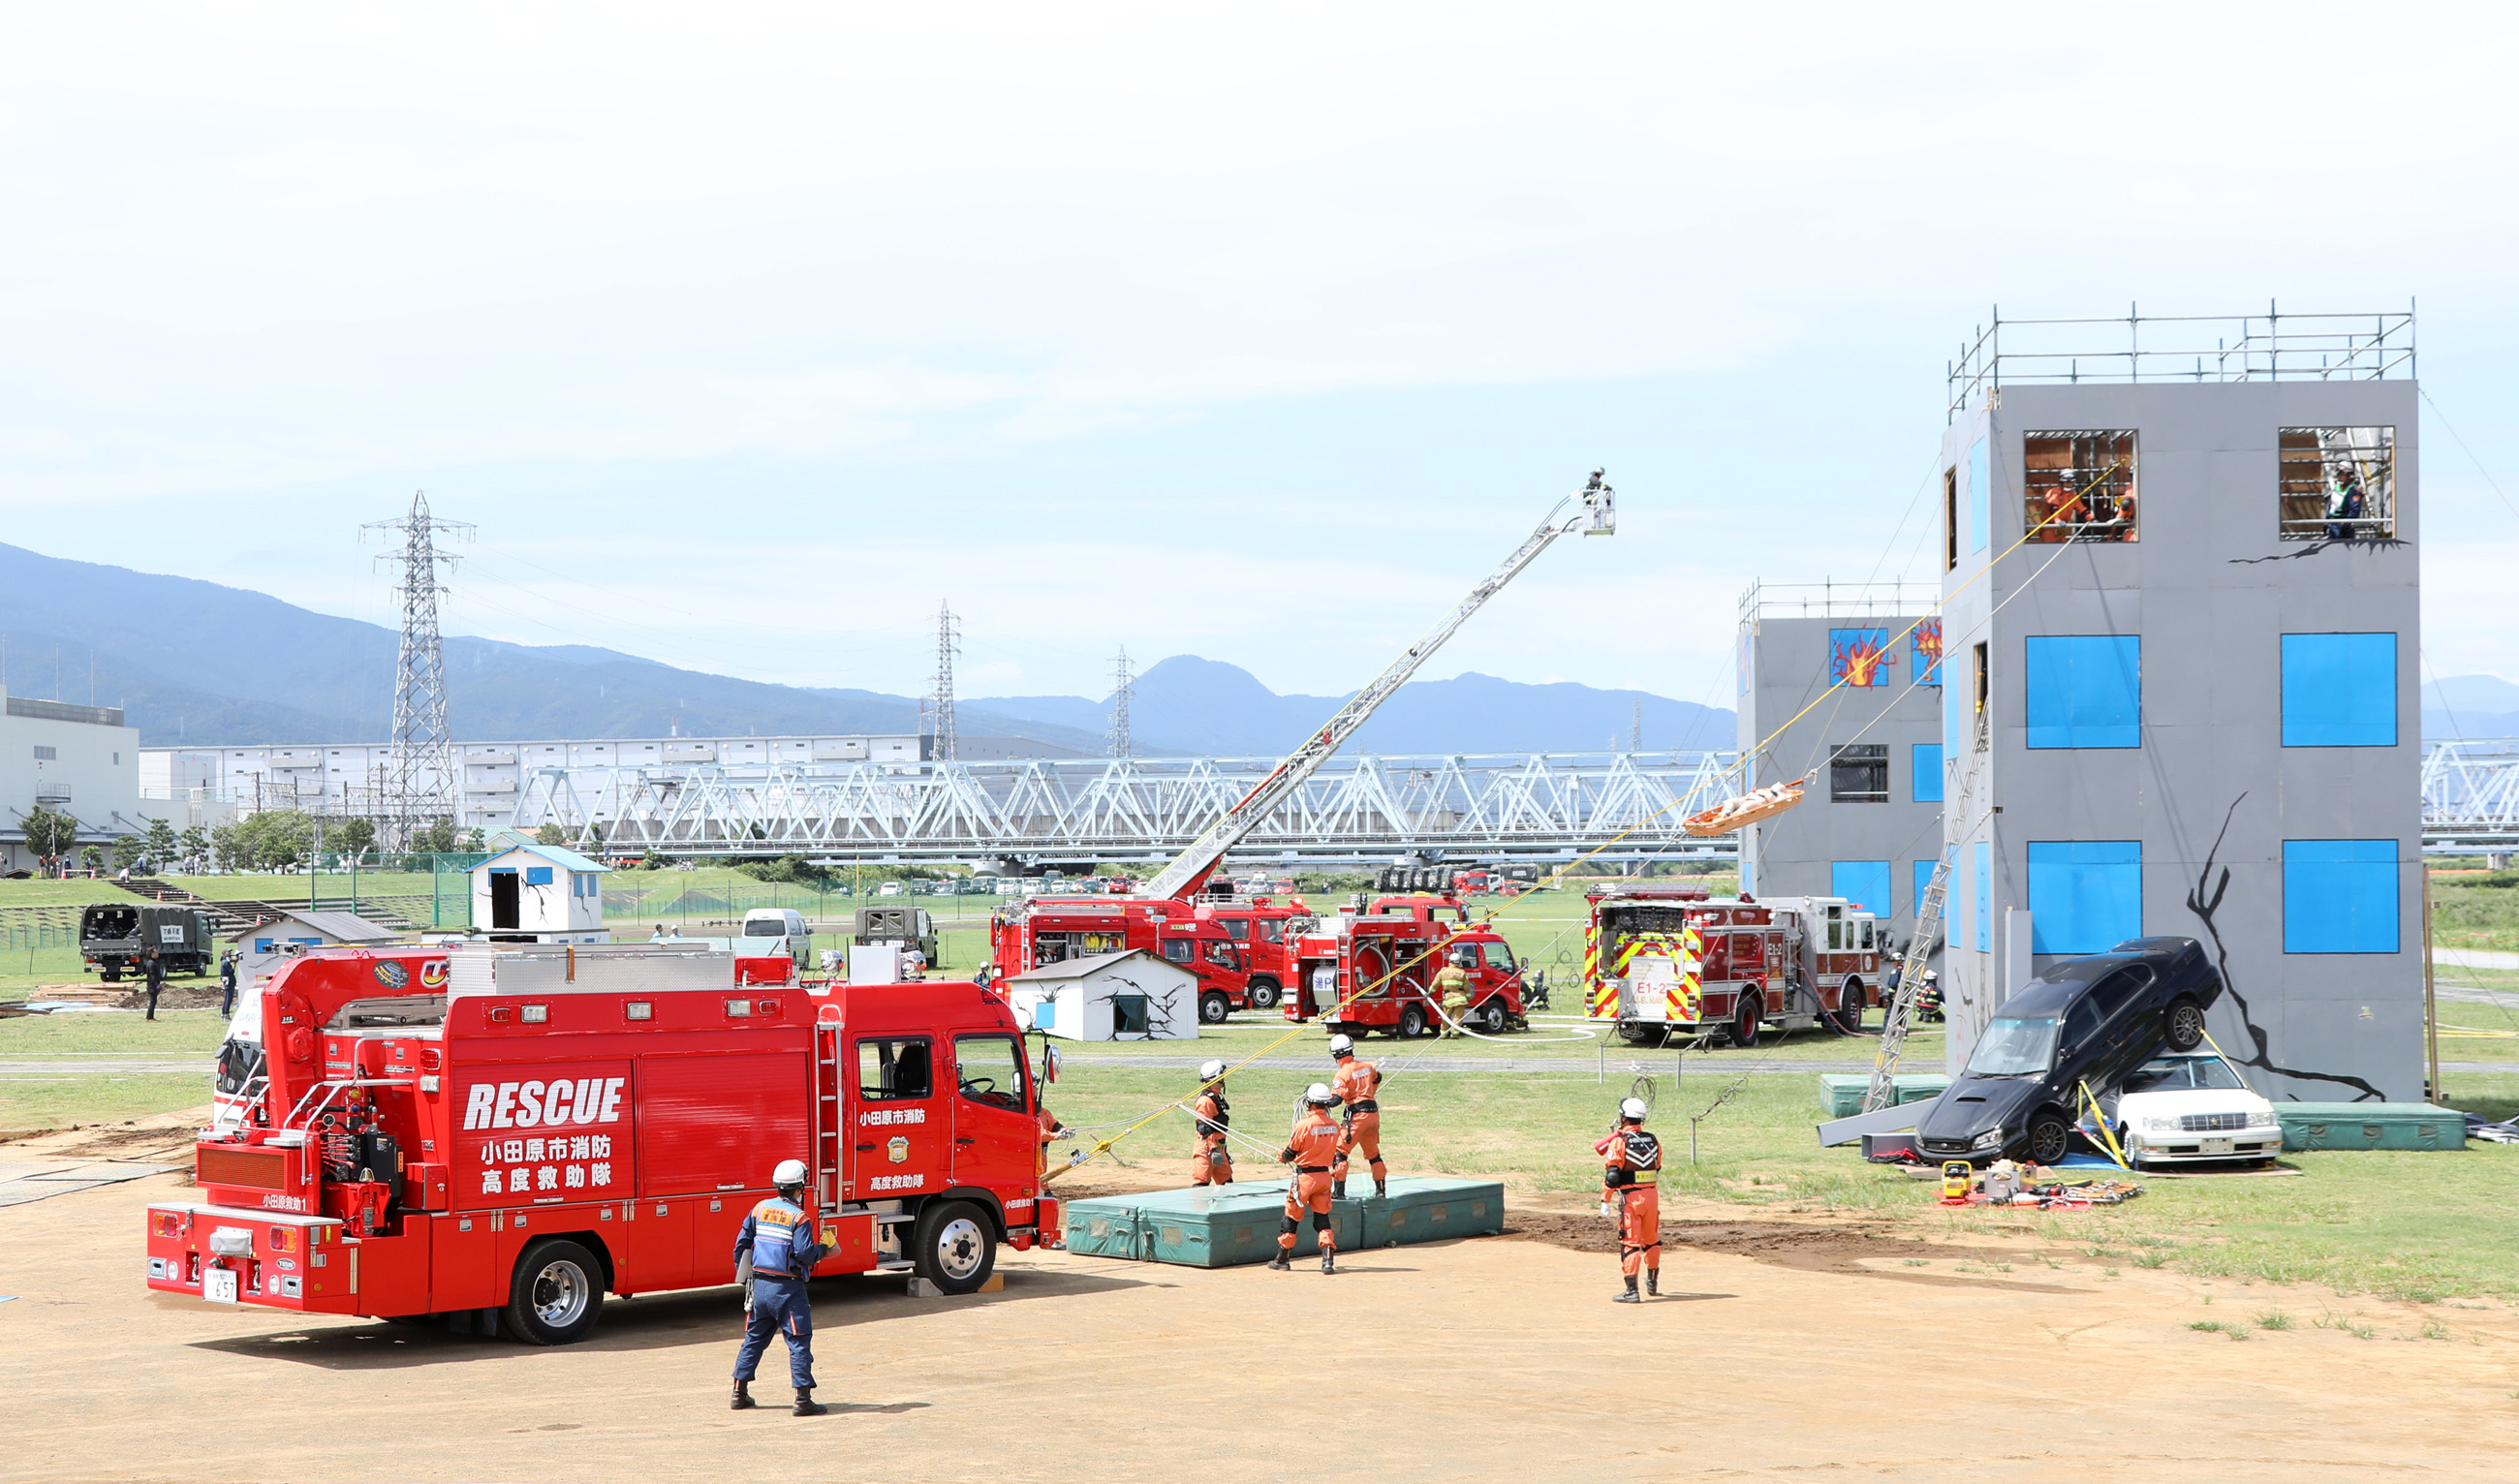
1950, 519
1980, 722
2338, 483
2078, 486
1859, 773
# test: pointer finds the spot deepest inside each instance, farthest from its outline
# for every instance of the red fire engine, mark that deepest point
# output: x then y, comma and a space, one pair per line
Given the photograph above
501, 1135
1376, 972
1660, 959
1236, 946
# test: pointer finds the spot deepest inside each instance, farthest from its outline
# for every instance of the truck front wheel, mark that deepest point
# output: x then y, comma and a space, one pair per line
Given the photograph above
1489, 1017
1213, 1007
954, 1247
557, 1293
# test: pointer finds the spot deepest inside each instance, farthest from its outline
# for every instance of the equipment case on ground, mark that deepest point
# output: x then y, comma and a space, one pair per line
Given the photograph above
1840, 1096
2370, 1125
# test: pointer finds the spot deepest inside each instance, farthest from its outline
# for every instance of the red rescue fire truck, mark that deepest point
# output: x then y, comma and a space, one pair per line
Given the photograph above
1365, 973
1664, 959
1236, 946
502, 1134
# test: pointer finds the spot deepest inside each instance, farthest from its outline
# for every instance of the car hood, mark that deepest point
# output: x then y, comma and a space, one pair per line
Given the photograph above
2188, 1100
1975, 1105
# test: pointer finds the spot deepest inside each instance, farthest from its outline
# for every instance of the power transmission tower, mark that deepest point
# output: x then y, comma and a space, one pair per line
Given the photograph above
1636, 728
421, 783
1123, 692
949, 643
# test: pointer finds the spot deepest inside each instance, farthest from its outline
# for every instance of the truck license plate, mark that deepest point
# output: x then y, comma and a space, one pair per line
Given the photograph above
2216, 1146
219, 1285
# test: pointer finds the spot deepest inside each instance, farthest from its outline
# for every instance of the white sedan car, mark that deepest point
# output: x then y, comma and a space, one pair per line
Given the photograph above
2192, 1107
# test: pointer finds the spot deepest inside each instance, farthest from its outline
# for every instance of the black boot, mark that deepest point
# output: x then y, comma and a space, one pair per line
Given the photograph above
1279, 1263
1630, 1296
1329, 1260
1380, 1188
742, 1397
1652, 1282
806, 1406
1337, 1190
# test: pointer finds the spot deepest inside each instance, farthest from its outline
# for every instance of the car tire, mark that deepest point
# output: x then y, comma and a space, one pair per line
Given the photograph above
1412, 1022
955, 1247
2183, 1027
556, 1293
1261, 993
1745, 1020
2050, 1138
1489, 1017
1213, 1007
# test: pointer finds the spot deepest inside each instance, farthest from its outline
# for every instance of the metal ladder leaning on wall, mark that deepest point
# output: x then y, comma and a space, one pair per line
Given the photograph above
1901, 1015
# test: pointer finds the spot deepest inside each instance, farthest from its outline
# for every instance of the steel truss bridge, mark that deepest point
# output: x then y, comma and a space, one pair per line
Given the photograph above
1364, 808
2471, 795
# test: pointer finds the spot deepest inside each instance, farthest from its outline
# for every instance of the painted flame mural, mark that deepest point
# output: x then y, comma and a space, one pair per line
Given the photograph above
1858, 656
1926, 641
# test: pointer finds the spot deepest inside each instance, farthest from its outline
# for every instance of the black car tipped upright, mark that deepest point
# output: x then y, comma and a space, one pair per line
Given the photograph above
2083, 1020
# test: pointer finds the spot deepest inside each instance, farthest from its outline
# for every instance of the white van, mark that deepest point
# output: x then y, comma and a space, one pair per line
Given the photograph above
768, 931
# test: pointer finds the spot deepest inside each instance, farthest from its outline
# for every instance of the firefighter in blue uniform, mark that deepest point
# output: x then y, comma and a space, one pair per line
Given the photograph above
778, 1237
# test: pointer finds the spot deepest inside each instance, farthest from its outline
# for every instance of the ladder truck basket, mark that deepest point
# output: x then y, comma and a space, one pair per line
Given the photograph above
1751, 807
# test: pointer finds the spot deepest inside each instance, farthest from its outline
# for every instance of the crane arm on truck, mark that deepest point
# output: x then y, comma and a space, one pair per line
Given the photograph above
1595, 515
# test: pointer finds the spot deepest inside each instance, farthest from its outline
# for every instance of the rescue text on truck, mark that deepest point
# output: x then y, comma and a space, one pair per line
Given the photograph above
502, 1134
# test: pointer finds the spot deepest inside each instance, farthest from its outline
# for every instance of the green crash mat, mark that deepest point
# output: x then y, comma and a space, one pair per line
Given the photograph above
2370, 1125
1217, 1225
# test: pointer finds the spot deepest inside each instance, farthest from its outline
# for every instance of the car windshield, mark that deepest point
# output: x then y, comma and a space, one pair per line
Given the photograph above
2183, 1074
2013, 1049
765, 926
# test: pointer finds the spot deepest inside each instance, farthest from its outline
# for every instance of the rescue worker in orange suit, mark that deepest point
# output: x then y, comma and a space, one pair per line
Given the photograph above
1311, 1148
1212, 1161
779, 1238
1357, 1083
1050, 1128
1634, 1163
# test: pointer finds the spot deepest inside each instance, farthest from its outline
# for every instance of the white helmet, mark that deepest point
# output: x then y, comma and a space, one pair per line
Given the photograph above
1341, 1046
1319, 1095
1211, 1071
790, 1172
1633, 1107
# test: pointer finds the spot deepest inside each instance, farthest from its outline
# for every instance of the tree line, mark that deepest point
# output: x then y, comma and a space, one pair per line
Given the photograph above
271, 840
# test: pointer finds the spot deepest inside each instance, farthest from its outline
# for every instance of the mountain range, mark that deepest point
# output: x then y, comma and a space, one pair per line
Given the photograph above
196, 662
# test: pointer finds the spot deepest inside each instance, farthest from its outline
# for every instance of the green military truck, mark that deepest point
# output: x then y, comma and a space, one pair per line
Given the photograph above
910, 927
111, 935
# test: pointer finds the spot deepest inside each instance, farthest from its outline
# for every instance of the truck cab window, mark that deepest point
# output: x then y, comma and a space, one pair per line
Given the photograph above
1238, 927
991, 1070
1498, 956
895, 1070
1220, 952
1177, 949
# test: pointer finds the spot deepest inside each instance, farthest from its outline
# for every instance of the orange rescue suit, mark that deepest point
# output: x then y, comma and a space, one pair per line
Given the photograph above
1050, 1128
1632, 1163
1311, 1148
1212, 1164
1357, 1083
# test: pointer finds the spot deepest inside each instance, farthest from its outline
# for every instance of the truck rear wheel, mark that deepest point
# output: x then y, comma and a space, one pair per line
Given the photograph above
557, 1293
1213, 1007
112, 972
954, 1247
1412, 1022
1745, 1020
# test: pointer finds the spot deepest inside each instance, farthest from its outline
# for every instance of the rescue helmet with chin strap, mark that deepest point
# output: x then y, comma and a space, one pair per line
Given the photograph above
790, 1172
1633, 1110
1342, 1047
1319, 1095
1212, 1071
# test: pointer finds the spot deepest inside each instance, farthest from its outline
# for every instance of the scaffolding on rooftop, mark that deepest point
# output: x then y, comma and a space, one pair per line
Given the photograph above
2269, 347
1832, 599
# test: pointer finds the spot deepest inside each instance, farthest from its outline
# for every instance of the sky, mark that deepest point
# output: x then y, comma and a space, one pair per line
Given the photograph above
744, 336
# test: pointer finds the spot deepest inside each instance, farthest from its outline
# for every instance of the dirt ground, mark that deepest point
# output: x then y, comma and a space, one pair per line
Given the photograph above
1781, 1347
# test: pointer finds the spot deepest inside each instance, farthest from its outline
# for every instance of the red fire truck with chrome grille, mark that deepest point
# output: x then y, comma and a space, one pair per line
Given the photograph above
502, 1134
1377, 973
1235, 946
1660, 959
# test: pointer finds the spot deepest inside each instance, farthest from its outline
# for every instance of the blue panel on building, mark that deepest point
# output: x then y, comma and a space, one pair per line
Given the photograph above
1984, 903
1863, 882
2340, 896
1928, 764
2085, 895
2339, 690
1978, 493
2083, 690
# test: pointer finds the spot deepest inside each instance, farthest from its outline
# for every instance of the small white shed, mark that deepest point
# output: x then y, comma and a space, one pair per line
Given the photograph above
1127, 996
545, 892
